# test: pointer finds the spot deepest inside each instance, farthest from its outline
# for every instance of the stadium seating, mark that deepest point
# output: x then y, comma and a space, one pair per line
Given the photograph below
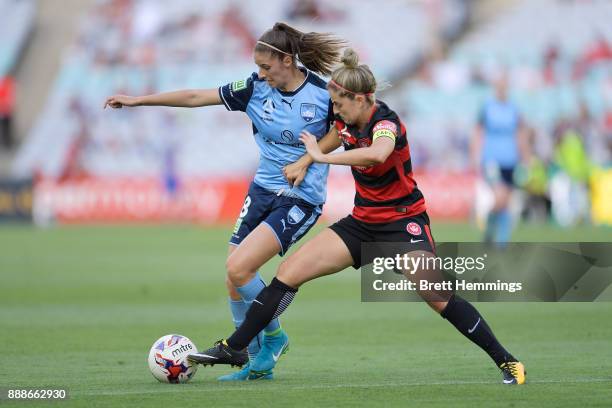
138, 47
443, 104
16, 22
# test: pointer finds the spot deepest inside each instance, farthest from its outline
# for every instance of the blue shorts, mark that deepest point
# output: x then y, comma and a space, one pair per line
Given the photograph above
290, 218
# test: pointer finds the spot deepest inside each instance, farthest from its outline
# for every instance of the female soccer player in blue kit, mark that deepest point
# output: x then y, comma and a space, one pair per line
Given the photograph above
498, 146
389, 207
282, 100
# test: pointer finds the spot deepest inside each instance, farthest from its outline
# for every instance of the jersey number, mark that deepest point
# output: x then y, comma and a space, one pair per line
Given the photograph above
243, 213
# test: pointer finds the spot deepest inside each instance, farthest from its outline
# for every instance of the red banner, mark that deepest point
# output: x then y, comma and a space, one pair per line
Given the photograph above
138, 200
448, 196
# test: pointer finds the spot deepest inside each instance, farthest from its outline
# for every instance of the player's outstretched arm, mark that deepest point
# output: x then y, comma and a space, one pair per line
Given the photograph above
188, 98
295, 172
377, 153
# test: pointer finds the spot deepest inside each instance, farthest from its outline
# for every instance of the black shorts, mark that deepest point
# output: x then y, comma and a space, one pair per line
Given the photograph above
507, 175
414, 231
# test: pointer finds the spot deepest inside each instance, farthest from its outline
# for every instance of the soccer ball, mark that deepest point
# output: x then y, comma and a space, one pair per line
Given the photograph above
168, 359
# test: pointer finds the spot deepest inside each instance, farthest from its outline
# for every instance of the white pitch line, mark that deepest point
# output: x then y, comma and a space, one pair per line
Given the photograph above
172, 388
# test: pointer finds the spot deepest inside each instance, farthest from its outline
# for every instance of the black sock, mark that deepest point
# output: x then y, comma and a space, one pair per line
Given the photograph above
268, 305
472, 325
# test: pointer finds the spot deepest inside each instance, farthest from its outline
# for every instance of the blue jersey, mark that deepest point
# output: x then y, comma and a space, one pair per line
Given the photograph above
278, 119
500, 122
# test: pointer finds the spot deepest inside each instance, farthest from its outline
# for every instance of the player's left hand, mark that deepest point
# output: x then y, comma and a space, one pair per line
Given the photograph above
312, 147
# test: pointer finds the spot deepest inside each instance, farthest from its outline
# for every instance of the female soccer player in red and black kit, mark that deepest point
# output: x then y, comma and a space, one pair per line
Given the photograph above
388, 208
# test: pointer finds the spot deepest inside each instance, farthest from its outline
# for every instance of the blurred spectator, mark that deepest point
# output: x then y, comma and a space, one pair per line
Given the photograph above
607, 136
313, 10
569, 183
594, 53
308, 9
571, 157
170, 147
551, 56
532, 177
74, 166
233, 22
596, 145
7, 104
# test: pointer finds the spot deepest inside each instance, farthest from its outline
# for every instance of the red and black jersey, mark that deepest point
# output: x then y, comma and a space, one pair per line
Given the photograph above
384, 192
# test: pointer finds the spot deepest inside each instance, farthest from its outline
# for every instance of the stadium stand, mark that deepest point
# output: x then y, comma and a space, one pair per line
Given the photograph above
16, 22
137, 47
560, 70
16, 19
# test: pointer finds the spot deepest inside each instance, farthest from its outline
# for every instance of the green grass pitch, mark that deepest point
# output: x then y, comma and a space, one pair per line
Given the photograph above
80, 307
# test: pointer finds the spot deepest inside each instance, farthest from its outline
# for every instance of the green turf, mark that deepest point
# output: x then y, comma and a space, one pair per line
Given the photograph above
80, 307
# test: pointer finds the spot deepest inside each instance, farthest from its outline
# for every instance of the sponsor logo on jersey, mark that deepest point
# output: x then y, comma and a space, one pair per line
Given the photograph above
268, 109
288, 102
295, 215
239, 85
287, 136
269, 106
308, 111
385, 125
413, 228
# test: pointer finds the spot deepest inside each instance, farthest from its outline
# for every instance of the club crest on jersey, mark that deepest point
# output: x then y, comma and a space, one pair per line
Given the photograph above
295, 215
413, 228
308, 111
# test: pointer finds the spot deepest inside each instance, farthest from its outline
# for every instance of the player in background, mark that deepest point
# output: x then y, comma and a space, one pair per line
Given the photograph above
499, 144
389, 207
282, 99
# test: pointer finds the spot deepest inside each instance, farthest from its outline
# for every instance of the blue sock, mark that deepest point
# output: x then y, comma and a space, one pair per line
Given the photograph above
239, 309
504, 228
248, 293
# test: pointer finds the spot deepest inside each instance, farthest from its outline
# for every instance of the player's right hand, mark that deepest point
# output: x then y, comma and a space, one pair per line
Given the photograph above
295, 173
119, 101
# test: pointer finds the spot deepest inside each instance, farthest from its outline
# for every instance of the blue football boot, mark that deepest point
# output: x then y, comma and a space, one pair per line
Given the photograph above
274, 345
243, 375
